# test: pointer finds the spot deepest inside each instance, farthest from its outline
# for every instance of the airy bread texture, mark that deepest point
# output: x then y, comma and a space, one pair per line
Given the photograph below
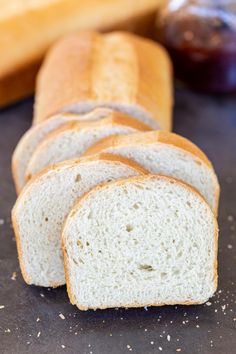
43, 204
35, 135
141, 241
116, 70
166, 154
74, 138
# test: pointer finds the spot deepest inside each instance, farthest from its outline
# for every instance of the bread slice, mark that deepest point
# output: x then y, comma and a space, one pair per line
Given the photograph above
43, 204
167, 154
74, 138
142, 241
116, 70
35, 135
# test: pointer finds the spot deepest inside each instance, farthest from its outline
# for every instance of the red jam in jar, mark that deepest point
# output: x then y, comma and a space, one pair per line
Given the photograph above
200, 36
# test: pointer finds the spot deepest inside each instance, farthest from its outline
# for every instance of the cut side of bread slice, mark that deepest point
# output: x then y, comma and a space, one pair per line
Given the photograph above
74, 138
116, 70
43, 204
167, 154
142, 241
35, 135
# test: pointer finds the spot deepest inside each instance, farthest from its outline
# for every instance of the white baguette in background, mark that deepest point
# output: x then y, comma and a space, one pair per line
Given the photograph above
43, 204
116, 70
166, 154
35, 135
74, 138
141, 241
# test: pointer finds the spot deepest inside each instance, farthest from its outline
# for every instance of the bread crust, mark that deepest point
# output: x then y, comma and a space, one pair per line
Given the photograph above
138, 179
111, 70
67, 164
160, 137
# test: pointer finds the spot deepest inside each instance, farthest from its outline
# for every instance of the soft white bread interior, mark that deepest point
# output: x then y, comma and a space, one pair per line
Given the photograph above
74, 138
35, 135
167, 154
143, 241
43, 204
116, 70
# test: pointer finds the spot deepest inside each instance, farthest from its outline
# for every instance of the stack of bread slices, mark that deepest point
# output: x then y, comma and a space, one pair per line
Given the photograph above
110, 201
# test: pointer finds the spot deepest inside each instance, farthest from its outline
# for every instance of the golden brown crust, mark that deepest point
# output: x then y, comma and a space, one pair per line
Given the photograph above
111, 69
138, 179
103, 156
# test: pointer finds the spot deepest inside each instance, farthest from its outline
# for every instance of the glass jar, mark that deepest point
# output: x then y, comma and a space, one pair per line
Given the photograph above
200, 36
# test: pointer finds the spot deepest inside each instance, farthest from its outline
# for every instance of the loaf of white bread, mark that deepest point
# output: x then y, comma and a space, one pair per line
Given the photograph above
133, 221
116, 70
29, 28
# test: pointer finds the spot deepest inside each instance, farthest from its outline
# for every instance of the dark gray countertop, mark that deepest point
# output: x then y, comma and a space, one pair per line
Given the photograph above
30, 321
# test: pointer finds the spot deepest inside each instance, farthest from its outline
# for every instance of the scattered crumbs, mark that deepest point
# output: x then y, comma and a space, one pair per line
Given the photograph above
89, 345
145, 329
216, 310
38, 335
38, 319
42, 295
103, 321
178, 349
168, 337
7, 330
2, 307
62, 316
177, 340
152, 342
230, 218
121, 318
230, 247
161, 335
208, 303
196, 317
76, 333
110, 334
128, 346
223, 307
1, 221
145, 308
63, 346
13, 277
197, 326
171, 322
183, 322
234, 319
27, 343
160, 348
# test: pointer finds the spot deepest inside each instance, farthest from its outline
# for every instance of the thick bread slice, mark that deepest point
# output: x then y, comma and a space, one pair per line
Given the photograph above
74, 138
142, 241
35, 135
167, 154
117, 70
43, 204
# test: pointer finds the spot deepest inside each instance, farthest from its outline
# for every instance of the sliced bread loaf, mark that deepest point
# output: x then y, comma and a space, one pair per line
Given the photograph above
35, 135
43, 204
167, 154
117, 70
74, 138
141, 241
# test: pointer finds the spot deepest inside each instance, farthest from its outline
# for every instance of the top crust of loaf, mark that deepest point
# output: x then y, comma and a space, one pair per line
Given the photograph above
37, 179
91, 69
127, 181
